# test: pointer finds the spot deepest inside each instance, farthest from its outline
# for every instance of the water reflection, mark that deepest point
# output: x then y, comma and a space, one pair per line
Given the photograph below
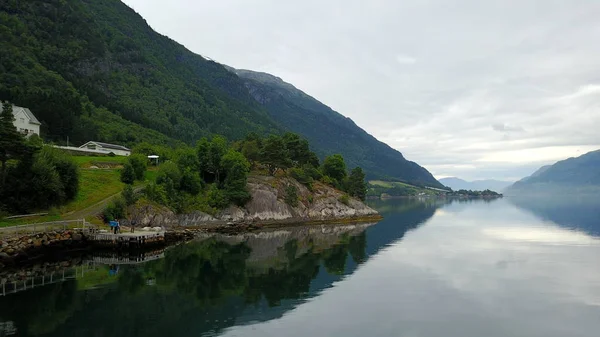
429, 268
575, 212
207, 285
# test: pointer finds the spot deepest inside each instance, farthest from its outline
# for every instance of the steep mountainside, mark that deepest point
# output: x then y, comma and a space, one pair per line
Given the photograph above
573, 174
85, 67
331, 132
476, 185
95, 70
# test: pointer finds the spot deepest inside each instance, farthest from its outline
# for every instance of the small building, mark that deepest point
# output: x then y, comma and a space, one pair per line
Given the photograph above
99, 147
25, 121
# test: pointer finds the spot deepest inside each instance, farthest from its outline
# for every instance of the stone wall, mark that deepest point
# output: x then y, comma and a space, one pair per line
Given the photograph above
19, 248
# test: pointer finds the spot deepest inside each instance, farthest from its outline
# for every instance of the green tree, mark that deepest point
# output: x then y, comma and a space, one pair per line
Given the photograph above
190, 182
67, 170
274, 154
12, 142
169, 172
356, 185
251, 150
236, 169
139, 163
127, 173
209, 156
128, 195
335, 167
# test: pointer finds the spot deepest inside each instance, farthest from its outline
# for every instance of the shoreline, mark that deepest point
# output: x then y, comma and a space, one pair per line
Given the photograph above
20, 251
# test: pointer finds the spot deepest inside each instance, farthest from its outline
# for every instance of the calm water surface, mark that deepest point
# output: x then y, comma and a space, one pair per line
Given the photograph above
430, 268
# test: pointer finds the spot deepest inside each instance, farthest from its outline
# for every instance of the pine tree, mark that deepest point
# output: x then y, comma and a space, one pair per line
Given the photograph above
12, 143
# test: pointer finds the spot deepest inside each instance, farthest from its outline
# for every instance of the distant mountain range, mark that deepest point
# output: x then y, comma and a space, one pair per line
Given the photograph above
95, 70
573, 175
477, 185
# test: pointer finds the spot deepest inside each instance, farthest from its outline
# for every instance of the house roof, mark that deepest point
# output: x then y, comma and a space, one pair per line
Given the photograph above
108, 146
17, 110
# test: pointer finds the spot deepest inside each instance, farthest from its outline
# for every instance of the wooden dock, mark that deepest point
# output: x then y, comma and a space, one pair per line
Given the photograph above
139, 239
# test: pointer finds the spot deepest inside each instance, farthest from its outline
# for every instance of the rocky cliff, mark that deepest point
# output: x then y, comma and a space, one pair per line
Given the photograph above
271, 204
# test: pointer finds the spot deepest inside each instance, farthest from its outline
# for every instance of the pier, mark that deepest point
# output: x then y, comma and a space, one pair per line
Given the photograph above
138, 239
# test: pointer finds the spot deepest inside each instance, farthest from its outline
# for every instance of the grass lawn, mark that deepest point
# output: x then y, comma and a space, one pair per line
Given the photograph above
389, 184
87, 161
95, 185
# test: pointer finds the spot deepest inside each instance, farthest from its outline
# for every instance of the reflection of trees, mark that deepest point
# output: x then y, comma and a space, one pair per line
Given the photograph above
201, 286
40, 310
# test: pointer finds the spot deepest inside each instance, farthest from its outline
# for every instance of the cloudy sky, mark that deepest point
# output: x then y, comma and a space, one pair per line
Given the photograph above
474, 89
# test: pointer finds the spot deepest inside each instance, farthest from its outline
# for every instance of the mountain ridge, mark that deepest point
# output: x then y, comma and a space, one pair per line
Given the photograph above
104, 74
475, 185
329, 130
575, 174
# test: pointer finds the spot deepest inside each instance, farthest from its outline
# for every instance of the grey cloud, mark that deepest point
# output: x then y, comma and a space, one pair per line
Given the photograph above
501, 127
427, 77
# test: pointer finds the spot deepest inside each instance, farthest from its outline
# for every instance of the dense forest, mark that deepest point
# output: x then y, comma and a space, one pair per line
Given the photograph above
94, 70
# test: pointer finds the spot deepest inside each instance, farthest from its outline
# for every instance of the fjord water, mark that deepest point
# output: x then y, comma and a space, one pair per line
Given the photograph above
507, 267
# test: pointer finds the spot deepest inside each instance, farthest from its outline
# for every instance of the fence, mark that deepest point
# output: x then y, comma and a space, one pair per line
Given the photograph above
43, 227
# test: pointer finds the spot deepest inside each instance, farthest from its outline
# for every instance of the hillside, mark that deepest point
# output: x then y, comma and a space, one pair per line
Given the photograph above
580, 174
329, 131
94, 69
476, 185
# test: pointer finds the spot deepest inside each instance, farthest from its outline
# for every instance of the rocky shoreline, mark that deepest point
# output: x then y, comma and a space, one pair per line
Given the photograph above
28, 248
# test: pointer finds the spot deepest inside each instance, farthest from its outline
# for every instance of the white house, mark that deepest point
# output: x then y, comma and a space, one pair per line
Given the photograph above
98, 147
25, 121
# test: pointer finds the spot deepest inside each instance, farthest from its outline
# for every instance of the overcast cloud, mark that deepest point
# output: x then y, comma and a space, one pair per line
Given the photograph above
474, 89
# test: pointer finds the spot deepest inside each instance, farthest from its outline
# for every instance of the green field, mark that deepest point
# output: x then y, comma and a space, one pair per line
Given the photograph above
87, 161
95, 185
389, 184
377, 188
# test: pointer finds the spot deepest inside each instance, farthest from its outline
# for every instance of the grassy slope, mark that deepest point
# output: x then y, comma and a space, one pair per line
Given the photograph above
95, 185
377, 187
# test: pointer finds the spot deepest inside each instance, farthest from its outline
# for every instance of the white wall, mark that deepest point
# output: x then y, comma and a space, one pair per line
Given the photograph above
22, 122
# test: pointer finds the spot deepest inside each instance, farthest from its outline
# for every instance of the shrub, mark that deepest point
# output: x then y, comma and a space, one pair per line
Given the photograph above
115, 210
327, 180
344, 199
302, 177
156, 193
127, 174
129, 195
217, 198
291, 195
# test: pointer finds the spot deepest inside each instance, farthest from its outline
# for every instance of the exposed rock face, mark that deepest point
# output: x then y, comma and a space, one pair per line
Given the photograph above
268, 205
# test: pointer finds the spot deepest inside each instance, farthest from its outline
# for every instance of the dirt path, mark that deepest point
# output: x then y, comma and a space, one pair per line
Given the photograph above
96, 208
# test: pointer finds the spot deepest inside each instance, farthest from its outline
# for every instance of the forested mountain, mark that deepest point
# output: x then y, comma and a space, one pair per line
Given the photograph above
476, 185
94, 69
329, 131
574, 174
